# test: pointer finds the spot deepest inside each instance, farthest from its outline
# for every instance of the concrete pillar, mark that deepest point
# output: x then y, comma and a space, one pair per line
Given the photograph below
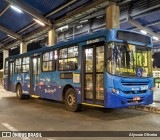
5, 55
23, 47
112, 16
52, 37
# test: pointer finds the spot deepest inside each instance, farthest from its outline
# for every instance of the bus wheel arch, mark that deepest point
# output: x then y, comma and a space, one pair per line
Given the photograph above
64, 91
70, 98
19, 93
18, 84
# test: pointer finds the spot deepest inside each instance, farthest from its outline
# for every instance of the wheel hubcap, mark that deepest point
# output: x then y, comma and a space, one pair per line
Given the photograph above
71, 100
18, 92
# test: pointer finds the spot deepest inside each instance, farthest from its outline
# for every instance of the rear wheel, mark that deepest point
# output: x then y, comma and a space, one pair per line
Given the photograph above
71, 101
19, 92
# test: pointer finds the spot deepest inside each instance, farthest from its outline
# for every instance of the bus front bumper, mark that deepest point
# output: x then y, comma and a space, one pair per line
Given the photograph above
117, 101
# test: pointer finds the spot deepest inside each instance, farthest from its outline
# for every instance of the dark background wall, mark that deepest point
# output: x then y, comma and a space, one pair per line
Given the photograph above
156, 62
14, 51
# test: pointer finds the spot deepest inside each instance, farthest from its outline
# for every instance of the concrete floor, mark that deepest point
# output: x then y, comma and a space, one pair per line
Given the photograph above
42, 115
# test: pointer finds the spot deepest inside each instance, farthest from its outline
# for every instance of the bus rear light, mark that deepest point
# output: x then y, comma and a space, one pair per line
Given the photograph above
153, 88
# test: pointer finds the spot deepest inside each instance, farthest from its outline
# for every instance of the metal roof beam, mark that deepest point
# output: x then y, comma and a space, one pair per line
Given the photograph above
81, 12
61, 8
152, 24
30, 11
147, 25
29, 37
4, 29
135, 23
144, 12
4, 10
123, 2
53, 12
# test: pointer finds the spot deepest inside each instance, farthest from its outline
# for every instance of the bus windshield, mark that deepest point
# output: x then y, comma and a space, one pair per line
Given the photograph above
124, 59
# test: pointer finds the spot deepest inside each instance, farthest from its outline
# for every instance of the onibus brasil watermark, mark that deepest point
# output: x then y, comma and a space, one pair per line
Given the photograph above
22, 134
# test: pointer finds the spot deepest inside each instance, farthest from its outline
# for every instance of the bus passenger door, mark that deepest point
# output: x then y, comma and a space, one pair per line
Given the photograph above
10, 76
35, 71
93, 74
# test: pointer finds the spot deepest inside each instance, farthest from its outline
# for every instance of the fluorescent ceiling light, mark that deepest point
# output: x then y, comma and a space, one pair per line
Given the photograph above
11, 36
62, 28
39, 22
100, 16
143, 32
16, 9
80, 26
83, 21
13, 48
155, 38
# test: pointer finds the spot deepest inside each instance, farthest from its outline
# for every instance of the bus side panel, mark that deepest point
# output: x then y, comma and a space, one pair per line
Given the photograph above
18, 78
79, 96
26, 83
50, 86
47, 86
6, 82
11, 83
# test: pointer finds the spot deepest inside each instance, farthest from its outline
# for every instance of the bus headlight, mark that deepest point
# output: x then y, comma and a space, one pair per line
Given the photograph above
115, 91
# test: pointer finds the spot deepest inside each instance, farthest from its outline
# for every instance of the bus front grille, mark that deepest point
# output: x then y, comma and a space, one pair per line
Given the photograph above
135, 83
135, 92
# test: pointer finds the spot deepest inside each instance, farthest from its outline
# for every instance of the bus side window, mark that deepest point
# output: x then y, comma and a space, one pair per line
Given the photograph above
25, 64
49, 61
12, 68
72, 63
68, 58
18, 65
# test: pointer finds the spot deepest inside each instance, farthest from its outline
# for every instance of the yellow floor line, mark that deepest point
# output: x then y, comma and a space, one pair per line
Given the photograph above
92, 105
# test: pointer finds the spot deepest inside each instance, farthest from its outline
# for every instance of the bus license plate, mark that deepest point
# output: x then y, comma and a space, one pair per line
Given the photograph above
136, 98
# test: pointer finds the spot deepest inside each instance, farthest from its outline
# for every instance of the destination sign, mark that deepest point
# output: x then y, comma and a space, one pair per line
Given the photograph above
93, 41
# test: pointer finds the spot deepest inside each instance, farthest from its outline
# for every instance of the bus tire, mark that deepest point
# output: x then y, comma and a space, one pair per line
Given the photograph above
71, 101
19, 92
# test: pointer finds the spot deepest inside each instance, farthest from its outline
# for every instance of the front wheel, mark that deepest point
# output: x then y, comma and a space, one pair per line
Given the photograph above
71, 101
19, 93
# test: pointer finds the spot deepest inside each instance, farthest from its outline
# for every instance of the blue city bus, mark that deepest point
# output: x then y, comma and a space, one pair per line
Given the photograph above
108, 68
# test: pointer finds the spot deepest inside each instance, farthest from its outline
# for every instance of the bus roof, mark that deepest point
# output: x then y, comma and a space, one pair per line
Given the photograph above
73, 41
